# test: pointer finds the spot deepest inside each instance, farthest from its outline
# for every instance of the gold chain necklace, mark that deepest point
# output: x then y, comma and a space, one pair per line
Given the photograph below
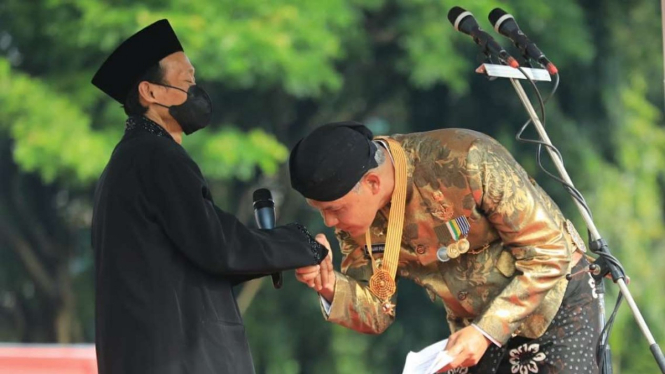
382, 282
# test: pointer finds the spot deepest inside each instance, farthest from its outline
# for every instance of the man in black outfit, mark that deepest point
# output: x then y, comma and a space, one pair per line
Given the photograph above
166, 257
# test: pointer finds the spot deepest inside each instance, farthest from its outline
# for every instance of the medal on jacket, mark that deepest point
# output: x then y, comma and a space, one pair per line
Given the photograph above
382, 283
459, 230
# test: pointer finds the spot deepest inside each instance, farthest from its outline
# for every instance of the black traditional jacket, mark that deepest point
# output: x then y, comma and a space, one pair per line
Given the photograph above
166, 259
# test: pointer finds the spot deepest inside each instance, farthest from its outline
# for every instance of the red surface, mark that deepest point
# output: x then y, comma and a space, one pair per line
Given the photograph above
47, 359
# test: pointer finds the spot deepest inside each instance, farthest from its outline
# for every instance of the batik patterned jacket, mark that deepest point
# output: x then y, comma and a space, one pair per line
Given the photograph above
510, 282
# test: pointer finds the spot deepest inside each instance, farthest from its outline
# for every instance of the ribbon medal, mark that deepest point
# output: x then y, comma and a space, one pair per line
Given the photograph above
459, 230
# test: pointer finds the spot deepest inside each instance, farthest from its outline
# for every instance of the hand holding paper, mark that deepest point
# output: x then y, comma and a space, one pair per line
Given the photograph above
427, 361
462, 349
467, 346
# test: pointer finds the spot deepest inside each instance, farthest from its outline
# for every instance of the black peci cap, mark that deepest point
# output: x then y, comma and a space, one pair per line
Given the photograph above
327, 164
133, 57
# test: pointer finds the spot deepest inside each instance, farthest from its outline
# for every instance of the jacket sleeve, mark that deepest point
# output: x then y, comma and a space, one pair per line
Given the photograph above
354, 306
503, 190
213, 239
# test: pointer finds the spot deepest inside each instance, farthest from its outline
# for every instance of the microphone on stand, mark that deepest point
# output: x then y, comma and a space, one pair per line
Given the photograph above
505, 24
466, 23
264, 213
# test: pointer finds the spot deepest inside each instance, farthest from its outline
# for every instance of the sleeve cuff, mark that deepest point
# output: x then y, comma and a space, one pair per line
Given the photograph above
326, 306
337, 310
497, 329
481, 331
318, 251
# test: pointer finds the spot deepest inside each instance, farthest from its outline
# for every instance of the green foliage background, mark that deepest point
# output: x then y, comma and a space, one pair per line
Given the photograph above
276, 70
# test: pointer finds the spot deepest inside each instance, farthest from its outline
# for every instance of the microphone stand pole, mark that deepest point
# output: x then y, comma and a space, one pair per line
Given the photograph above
597, 245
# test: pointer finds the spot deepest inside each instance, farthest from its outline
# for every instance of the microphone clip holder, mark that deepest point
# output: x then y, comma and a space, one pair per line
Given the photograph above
592, 269
600, 247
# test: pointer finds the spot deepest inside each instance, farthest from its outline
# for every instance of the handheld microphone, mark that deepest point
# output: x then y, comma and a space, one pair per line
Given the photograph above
264, 209
504, 23
465, 22
264, 213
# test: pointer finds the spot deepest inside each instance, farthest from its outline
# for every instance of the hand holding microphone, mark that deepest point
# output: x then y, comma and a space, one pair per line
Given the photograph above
320, 277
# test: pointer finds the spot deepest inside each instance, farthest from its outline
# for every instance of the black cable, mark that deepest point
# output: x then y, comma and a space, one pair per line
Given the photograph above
605, 333
604, 339
540, 98
571, 189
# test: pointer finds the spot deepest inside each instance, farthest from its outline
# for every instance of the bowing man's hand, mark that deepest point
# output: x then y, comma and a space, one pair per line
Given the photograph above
320, 277
327, 271
310, 275
466, 347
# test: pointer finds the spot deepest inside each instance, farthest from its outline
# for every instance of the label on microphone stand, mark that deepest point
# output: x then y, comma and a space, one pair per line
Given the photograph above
503, 71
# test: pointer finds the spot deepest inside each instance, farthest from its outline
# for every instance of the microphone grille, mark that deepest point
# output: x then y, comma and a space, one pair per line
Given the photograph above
454, 13
262, 194
495, 15
498, 17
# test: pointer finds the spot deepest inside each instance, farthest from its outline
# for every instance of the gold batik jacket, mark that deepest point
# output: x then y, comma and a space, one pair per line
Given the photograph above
510, 282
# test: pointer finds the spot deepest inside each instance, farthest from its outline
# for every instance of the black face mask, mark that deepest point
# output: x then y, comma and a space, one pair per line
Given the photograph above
194, 114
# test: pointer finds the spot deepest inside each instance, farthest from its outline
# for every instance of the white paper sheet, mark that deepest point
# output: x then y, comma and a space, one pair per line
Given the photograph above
427, 361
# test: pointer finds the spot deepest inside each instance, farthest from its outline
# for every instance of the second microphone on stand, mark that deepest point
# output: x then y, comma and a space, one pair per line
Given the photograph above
506, 25
466, 23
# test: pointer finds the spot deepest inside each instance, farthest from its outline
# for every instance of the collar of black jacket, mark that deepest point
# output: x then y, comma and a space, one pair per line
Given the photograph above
144, 124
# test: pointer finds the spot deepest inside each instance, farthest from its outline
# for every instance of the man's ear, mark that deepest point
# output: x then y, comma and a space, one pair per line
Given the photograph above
147, 92
374, 182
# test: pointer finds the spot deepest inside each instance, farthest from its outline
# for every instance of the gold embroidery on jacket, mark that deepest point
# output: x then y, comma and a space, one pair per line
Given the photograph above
512, 278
